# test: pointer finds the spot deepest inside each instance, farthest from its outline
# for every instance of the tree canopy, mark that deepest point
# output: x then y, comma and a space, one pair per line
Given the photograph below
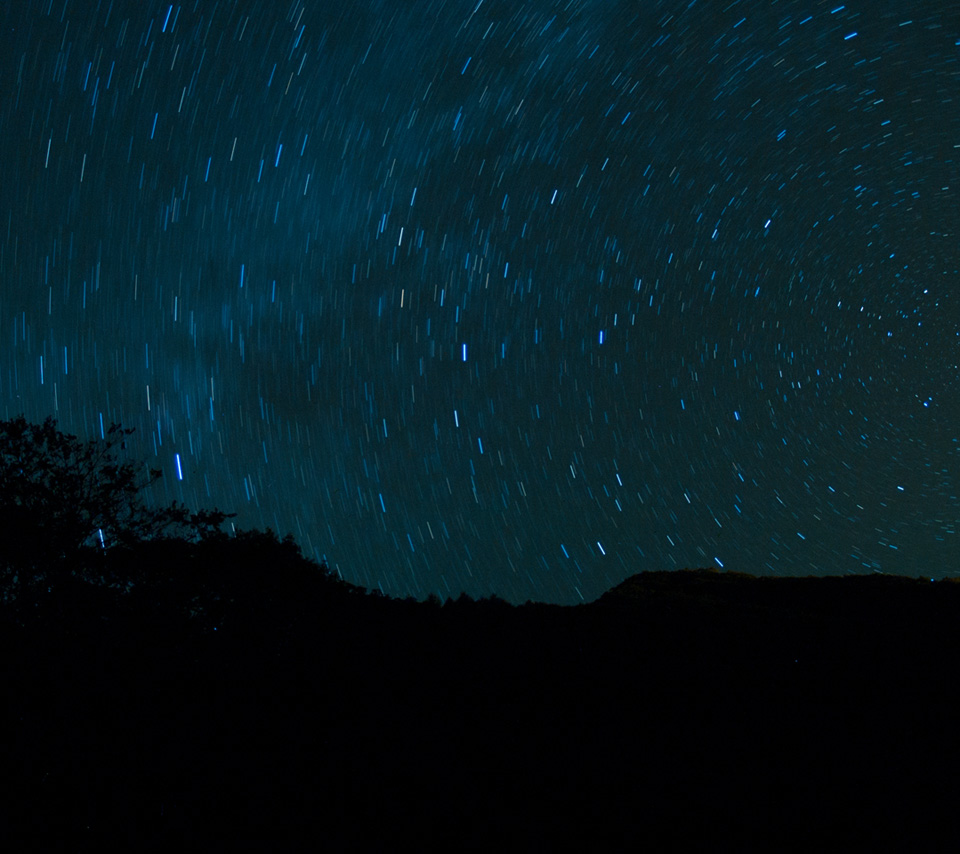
59, 494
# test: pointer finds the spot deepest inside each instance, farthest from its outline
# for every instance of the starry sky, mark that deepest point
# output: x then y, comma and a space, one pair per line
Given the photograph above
500, 297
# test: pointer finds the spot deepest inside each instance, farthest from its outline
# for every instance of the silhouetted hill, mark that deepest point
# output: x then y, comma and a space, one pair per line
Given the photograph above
231, 687
815, 619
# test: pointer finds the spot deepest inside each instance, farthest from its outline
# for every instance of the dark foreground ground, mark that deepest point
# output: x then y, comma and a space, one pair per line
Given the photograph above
803, 712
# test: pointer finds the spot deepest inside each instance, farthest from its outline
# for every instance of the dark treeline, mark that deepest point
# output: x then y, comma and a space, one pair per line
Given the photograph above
224, 686
248, 694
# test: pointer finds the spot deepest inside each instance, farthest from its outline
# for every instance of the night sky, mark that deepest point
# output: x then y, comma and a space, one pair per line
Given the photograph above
500, 297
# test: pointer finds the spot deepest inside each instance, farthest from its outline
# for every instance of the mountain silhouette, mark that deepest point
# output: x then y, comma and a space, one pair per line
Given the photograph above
235, 688
194, 683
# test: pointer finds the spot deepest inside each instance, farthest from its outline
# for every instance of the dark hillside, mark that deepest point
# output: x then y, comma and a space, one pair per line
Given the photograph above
236, 689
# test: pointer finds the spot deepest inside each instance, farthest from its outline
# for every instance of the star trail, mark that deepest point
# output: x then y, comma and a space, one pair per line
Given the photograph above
500, 297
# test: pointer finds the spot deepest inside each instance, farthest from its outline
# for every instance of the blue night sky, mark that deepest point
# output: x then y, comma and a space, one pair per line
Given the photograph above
500, 297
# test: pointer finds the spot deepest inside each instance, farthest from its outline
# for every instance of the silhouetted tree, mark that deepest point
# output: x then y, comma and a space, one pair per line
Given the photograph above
59, 494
